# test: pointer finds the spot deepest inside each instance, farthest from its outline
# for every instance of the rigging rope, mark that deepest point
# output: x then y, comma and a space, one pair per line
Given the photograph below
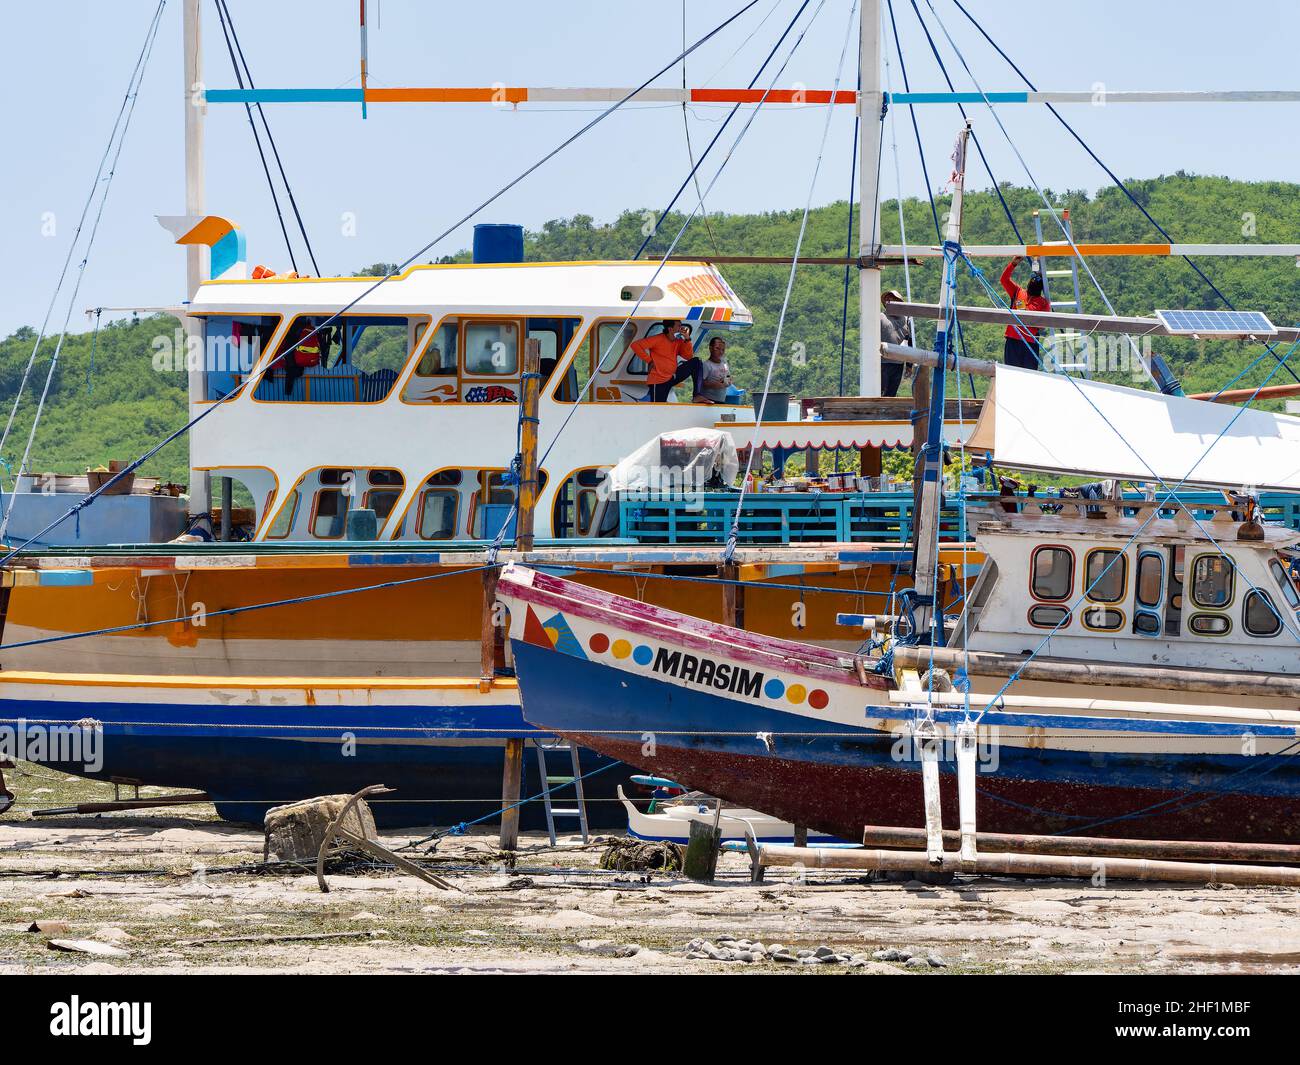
257, 140
718, 135
275, 151
734, 535
1115, 178
600, 363
132, 95
85, 210
690, 151
257, 376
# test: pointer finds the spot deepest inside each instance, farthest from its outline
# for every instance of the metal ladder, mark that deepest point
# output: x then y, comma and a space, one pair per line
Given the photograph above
1062, 338
543, 747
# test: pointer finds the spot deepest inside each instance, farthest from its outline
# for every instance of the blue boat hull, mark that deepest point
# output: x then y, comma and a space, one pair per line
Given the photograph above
445, 762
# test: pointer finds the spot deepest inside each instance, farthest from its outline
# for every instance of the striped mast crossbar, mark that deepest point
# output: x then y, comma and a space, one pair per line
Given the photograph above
501, 94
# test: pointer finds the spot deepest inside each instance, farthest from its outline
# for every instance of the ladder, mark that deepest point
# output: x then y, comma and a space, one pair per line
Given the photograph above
1062, 340
550, 780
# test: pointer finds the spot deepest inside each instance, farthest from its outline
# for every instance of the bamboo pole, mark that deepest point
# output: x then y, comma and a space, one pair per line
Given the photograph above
893, 837
530, 386
997, 664
906, 354
1074, 866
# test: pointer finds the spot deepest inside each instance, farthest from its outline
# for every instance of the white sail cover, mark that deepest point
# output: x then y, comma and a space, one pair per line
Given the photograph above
677, 461
1046, 421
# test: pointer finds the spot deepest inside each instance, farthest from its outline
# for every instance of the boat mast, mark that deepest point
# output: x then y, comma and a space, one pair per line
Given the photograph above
195, 106
925, 530
869, 105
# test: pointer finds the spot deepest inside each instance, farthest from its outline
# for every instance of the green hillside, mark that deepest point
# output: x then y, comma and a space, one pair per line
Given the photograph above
125, 404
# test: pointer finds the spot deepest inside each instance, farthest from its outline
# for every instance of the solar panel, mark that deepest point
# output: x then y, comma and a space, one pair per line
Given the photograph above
1217, 323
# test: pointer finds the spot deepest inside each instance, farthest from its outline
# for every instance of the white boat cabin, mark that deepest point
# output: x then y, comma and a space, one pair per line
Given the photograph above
410, 406
1109, 581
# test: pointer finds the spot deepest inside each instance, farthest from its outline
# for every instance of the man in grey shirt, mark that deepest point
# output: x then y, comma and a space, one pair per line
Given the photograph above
893, 330
717, 376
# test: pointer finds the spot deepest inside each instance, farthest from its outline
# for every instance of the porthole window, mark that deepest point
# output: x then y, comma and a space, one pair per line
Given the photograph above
1104, 619
1105, 575
1209, 625
1052, 573
1212, 581
1145, 624
1049, 617
1259, 615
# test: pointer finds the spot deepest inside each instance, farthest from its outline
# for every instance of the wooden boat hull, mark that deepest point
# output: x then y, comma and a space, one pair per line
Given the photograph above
851, 762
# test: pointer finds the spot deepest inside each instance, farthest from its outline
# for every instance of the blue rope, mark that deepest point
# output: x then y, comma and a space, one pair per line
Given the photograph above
244, 609
464, 826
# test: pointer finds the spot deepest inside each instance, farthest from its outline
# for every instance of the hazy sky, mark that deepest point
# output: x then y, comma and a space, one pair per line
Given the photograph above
409, 170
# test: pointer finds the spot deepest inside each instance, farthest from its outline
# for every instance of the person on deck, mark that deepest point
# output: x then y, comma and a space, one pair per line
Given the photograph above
717, 375
1021, 345
894, 329
663, 352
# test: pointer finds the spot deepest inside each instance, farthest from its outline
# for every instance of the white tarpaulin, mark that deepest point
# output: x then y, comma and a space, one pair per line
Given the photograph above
681, 460
1046, 421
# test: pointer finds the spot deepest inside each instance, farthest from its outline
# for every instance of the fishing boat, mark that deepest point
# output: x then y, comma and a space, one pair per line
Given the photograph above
345, 514
1119, 668
670, 820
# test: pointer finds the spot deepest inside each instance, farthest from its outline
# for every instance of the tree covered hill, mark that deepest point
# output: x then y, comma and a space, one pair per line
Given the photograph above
120, 405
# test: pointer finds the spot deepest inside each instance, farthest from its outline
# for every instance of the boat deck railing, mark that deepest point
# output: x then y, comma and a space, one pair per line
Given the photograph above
776, 518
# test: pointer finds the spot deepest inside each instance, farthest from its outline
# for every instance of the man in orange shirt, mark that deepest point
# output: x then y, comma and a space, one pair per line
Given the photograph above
662, 352
1021, 345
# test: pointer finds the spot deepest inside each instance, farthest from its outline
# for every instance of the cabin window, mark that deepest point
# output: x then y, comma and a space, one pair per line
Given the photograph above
283, 522
434, 379
1049, 617
577, 508
1052, 573
1150, 580
354, 359
232, 346
619, 373
1259, 615
383, 490
1103, 618
1105, 575
1174, 592
1209, 625
1212, 581
1285, 583
329, 514
1149, 594
492, 349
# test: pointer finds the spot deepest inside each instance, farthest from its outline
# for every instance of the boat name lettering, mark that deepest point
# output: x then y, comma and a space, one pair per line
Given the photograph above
721, 675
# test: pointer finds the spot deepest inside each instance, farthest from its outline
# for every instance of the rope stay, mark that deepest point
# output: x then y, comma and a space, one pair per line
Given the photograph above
257, 376
734, 535
600, 363
1115, 178
275, 151
129, 102
72, 247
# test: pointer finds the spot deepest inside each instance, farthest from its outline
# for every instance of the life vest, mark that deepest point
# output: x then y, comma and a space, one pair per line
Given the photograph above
307, 352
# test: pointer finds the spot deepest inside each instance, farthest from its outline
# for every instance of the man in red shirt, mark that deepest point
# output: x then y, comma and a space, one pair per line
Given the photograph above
662, 352
1021, 345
